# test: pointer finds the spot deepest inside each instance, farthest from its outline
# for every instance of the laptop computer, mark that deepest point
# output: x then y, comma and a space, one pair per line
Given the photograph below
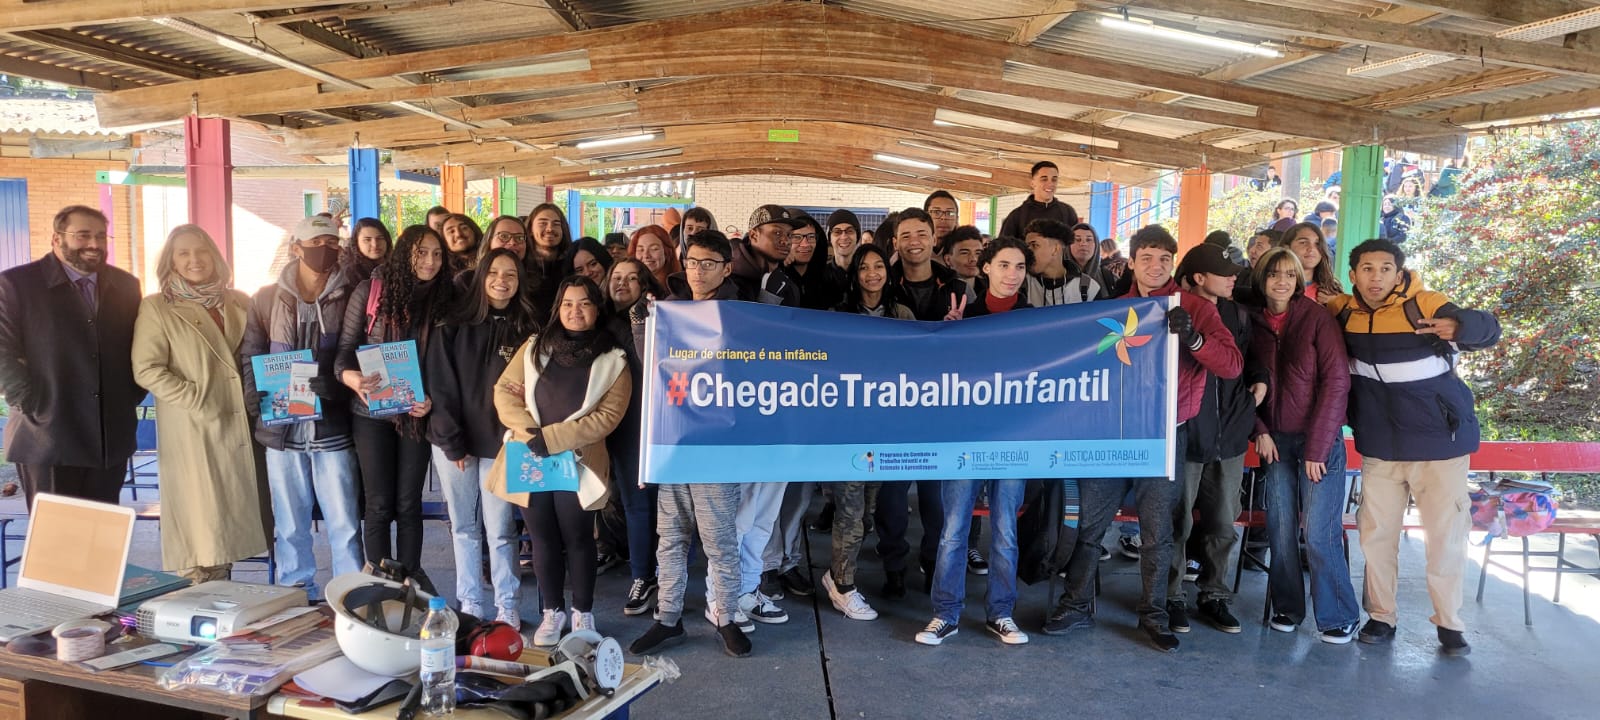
72, 565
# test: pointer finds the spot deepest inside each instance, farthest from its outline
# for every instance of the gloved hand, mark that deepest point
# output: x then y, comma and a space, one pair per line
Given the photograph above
777, 283
1179, 323
640, 310
319, 386
536, 444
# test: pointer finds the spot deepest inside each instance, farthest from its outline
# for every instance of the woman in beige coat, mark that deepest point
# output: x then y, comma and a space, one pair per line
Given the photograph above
565, 389
185, 350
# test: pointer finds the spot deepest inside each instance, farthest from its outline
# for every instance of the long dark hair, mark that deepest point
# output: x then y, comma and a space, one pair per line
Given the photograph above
459, 262
406, 300
591, 246
358, 267
1322, 274
599, 338
852, 293
474, 307
648, 284
566, 232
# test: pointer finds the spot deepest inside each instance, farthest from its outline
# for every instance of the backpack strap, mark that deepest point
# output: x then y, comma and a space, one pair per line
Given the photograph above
373, 297
1344, 317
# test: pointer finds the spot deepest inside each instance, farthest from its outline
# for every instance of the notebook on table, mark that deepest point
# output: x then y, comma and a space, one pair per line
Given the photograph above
72, 565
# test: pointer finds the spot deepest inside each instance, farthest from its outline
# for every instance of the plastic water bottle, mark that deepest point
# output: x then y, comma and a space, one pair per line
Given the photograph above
438, 672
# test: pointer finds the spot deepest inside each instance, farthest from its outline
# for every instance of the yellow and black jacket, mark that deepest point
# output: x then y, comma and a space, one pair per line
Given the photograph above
1406, 401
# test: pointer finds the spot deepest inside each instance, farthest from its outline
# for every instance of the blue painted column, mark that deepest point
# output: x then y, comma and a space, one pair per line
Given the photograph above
575, 215
363, 184
1101, 198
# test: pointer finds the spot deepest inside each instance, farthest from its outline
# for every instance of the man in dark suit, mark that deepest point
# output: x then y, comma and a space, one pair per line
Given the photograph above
66, 337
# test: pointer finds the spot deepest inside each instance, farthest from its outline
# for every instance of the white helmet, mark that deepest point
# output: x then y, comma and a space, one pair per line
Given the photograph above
377, 624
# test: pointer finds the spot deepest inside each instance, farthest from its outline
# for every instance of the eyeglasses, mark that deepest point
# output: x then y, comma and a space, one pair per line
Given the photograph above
510, 237
703, 265
944, 214
806, 238
84, 236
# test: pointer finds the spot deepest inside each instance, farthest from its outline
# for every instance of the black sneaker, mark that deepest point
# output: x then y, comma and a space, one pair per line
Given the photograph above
976, 564
1161, 639
734, 642
1216, 613
1453, 643
658, 637
605, 561
770, 586
1105, 554
639, 596
894, 584
866, 524
824, 521
1063, 621
796, 583
1376, 632
1178, 617
936, 632
1283, 623
1341, 635
1129, 546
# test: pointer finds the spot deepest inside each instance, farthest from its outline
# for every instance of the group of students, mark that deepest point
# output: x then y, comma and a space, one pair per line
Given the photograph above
528, 336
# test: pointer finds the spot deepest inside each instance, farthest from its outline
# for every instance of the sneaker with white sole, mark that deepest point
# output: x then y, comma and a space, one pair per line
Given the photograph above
1341, 635
582, 620
1128, 545
851, 603
639, 596
549, 632
936, 632
975, 562
740, 620
1006, 629
510, 617
761, 609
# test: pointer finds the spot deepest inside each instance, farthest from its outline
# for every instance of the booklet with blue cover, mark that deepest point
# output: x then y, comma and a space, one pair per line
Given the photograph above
527, 472
400, 377
285, 378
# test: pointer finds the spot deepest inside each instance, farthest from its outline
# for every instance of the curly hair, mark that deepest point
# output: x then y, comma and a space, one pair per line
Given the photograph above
405, 298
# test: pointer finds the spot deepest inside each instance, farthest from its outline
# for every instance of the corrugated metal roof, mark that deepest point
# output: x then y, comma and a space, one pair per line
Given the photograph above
465, 23
11, 46
49, 115
1325, 77
1082, 34
177, 47
1070, 81
992, 18
1528, 91
606, 13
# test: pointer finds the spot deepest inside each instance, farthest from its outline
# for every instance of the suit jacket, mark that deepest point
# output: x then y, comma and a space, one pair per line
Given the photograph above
68, 376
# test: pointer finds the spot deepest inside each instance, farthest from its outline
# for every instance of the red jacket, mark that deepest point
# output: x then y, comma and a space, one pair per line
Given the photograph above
1308, 376
1218, 355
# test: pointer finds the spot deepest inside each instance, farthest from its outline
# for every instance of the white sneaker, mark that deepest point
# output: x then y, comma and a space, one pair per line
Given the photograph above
1006, 629
761, 609
549, 632
852, 604
582, 621
510, 617
740, 620
936, 632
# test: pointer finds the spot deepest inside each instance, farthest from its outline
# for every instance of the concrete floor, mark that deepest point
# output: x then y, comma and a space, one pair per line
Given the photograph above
822, 665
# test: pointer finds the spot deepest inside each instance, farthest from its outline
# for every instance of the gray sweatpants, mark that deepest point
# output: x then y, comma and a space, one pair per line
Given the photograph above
710, 508
783, 548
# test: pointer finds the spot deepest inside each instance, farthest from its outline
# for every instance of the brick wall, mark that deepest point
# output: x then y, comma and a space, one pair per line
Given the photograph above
57, 183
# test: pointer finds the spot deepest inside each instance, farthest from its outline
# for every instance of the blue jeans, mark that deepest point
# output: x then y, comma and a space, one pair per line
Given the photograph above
296, 480
1289, 494
759, 504
950, 569
472, 512
639, 506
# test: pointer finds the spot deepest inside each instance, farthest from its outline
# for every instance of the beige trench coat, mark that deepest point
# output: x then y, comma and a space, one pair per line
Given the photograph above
211, 510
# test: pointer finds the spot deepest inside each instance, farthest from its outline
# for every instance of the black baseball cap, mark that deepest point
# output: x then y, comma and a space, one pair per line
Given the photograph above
1208, 258
768, 214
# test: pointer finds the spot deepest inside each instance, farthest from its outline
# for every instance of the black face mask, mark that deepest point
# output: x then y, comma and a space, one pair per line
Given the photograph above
319, 258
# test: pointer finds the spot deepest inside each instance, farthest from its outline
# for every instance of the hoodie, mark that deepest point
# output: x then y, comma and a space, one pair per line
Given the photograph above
1218, 356
463, 363
1083, 283
928, 300
755, 283
1406, 401
280, 322
1031, 210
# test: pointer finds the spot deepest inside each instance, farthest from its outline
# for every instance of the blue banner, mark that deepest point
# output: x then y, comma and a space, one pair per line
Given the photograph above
741, 392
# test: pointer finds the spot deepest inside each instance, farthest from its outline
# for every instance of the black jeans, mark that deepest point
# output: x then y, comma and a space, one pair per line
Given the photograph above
894, 517
99, 484
563, 546
393, 468
1154, 499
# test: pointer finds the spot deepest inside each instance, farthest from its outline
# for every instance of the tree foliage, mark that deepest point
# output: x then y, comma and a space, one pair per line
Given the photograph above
1521, 238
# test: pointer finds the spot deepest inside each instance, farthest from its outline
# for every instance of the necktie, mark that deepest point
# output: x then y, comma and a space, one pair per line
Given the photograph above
86, 289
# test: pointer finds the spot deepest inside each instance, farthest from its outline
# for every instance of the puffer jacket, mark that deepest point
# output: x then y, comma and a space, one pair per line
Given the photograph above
1308, 375
1407, 403
1218, 356
1222, 428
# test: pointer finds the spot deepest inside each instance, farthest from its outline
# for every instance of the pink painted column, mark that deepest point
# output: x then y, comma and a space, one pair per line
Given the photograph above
208, 163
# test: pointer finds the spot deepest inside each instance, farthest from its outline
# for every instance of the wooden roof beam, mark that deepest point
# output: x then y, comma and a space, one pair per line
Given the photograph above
77, 43
797, 167
1346, 28
41, 14
1519, 12
1049, 16
24, 67
1557, 104
817, 40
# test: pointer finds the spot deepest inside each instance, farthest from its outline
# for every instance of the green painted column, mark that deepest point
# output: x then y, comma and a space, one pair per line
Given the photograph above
994, 221
1360, 202
508, 195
